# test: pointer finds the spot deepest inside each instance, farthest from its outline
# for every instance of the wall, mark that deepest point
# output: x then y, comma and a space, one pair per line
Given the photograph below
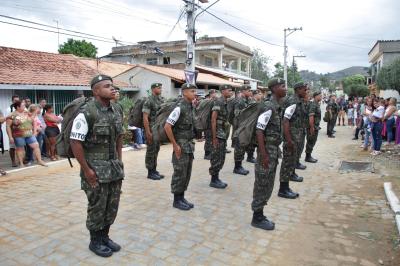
143, 79
388, 58
5, 101
389, 93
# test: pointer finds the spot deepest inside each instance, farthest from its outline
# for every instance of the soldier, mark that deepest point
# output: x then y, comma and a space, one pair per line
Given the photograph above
293, 132
332, 108
150, 109
219, 132
299, 165
96, 141
269, 137
314, 114
180, 132
212, 95
239, 152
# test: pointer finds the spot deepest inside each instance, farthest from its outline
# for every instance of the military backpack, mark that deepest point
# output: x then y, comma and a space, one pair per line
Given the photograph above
135, 117
158, 130
231, 110
202, 117
246, 130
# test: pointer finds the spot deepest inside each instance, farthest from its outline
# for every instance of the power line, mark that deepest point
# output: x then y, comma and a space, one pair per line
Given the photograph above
336, 43
239, 29
68, 34
177, 22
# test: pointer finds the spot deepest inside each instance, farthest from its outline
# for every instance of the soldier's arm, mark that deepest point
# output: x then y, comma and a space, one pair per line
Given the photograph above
77, 149
262, 123
311, 116
214, 116
171, 120
289, 111
146, 112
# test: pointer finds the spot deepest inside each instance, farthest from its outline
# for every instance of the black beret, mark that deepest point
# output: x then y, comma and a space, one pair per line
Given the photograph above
275, 81
188, 86
99, 78
225, 87
299, 85
156, 85
316, 93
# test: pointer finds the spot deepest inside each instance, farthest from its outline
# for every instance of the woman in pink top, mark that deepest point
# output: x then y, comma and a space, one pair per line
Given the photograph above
52, 129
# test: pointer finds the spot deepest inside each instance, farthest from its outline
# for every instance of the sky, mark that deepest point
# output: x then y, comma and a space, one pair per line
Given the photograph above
336, 33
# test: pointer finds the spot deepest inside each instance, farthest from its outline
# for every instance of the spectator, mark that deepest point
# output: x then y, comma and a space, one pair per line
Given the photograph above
389, 119
28, 103
34, 111
398, 127
377, 126
20, 130
2, 120
350, 113
44, 150
368, 109
342, 110
52, 129
9, 110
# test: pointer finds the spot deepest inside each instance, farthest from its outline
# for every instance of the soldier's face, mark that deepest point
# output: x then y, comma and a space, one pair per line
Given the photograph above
246, 93
189, 94
227, 93
280, 90
318, 98
157, 90
104, 89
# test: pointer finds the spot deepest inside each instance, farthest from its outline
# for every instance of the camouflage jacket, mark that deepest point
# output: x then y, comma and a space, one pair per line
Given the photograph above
184, 127
220, 106
295, 110
314, 109
100, 149
151, 107
334, 107
270, 121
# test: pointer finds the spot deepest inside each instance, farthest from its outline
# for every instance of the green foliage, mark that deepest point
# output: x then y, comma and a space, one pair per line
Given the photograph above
78, 48
259, 66
354, 86
388, 77
293, 74
126, 104
324, 82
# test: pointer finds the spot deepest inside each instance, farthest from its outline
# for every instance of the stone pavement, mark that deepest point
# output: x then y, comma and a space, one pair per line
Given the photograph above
43, 212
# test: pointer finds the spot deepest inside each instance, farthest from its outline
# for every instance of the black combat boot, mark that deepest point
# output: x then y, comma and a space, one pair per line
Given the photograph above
260, 221
153, 175
179, 203
96, 245
294, 177
160, 175
191, 205
310, 159
300, 166
286, 192
217, 183
207, 155
108, 242
250, 157
239, 169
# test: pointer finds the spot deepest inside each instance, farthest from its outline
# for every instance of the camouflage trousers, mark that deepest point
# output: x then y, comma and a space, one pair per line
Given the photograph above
330, 126
239, 152
182, 172
290, 159
103, 202
311, 140
264, 178
218, 157
301, 144
151, 155
208, 142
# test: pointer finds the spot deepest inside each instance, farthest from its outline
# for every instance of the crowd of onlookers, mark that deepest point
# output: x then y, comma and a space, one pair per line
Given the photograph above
377, 120
32, 130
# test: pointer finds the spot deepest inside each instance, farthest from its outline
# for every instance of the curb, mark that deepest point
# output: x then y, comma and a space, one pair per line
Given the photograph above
393, 201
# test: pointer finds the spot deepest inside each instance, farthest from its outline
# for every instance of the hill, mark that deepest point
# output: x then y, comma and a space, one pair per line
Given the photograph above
338, 75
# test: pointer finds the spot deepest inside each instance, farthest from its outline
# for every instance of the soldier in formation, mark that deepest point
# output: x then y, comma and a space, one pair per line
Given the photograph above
150, 109
314, 114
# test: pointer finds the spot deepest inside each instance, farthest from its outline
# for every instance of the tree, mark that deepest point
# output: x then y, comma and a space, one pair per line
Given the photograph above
293, 75
388, 77
259, 66
355, 86
324, 82
78, 48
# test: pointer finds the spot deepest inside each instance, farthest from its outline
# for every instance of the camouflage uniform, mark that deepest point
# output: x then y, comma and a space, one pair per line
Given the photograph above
151, 107
183, 129
208, 141
314, 109
105, 125
294, 110
241, 104
332, 121
269, 122
218, 154
304, 133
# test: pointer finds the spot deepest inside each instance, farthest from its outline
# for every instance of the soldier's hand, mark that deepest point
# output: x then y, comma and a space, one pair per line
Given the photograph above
91, 178
215, 143
149, 138
178, 151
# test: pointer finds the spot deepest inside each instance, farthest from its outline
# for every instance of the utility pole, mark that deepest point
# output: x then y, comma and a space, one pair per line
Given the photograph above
299, 56
190, 48
58, 33
287, 32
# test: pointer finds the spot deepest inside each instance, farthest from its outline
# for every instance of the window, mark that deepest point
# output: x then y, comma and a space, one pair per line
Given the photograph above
152, 61
208, 61
166, 60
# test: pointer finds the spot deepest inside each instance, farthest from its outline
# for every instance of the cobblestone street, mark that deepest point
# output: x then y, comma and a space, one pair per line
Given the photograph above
339, 219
